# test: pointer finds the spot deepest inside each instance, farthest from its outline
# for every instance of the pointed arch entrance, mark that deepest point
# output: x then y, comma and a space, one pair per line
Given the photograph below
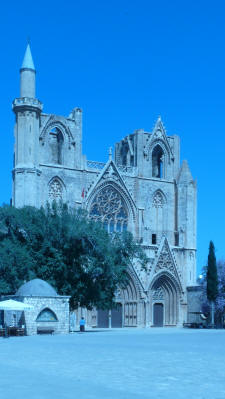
165, 295
129, 299
125, 313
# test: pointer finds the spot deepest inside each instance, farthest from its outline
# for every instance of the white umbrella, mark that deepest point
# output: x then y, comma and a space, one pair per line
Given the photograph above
14, 305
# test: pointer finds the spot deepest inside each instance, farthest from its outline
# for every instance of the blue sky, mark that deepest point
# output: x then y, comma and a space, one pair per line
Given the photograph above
125, 63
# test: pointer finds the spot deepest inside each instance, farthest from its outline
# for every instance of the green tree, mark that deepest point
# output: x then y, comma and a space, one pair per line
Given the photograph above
212, 279
62, 246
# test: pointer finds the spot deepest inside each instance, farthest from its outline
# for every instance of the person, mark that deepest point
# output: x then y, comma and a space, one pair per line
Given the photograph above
82, 324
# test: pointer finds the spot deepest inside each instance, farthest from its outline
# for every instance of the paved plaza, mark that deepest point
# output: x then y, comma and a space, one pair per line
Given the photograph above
119, 363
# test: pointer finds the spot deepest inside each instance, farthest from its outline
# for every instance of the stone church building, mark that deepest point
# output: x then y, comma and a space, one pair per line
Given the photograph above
143, 189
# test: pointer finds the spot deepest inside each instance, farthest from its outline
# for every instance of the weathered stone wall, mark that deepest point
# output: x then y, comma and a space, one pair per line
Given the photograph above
194, 304
59, 305
159, 194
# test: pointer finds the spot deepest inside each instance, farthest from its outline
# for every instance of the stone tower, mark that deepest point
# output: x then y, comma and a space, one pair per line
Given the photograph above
143, 189
26, 173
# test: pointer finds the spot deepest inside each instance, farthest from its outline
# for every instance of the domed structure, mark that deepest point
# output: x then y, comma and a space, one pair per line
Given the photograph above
36, 287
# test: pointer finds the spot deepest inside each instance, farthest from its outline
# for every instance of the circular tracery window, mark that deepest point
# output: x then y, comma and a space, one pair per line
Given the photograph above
109, 208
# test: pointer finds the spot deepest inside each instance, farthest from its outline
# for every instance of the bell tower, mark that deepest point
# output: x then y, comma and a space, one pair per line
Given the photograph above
27, 110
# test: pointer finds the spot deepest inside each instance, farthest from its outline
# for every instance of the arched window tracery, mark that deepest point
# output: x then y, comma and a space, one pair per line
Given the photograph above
47, 315
158, 200
158, 293
158, 162
158, 216
55, 190
108, 207
56, 142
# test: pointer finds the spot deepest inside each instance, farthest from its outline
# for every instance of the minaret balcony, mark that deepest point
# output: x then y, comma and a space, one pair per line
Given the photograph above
28, 103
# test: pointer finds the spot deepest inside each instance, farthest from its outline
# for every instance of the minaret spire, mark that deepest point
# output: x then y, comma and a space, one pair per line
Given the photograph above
28, 60
27, 75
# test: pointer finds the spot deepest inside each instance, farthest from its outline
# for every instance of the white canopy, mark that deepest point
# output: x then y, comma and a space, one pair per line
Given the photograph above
14, 305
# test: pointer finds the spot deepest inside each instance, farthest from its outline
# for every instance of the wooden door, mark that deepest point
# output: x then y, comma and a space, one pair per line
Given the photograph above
158, 315
116, 316
103, 318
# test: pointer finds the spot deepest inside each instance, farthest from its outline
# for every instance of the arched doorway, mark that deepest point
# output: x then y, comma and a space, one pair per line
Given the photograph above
129, 299
165, 300
125, 313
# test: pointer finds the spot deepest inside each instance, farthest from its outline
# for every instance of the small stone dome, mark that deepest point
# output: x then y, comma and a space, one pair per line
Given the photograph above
36, 287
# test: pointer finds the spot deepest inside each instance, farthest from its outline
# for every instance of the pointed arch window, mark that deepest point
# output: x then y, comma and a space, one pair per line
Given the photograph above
158, 200
124, 153
56, 142
158, 216
108, 207
55, 190
47, 315
158, 162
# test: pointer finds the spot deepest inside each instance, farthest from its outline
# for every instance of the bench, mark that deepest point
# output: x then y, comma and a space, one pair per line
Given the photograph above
45, 330
2, 332
12, 332
20, 332
187, 325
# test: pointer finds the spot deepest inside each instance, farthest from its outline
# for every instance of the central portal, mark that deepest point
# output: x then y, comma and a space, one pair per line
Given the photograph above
158, 315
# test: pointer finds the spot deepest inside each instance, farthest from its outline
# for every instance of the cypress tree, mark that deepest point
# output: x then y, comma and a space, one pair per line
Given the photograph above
212, 279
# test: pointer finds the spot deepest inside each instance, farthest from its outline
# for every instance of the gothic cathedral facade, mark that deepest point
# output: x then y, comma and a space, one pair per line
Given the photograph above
142, 189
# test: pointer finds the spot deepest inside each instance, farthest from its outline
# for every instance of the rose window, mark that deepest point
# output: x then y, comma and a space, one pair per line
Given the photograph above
109, 208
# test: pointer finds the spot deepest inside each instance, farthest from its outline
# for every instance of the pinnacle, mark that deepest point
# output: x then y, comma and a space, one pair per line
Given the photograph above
28, 60
185, 173
159, 125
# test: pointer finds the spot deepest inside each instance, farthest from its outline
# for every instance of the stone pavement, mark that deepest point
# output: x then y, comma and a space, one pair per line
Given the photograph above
118, 363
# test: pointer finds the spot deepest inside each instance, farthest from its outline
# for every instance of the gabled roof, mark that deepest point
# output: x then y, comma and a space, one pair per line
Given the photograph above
159, 134
165, 263
111, 174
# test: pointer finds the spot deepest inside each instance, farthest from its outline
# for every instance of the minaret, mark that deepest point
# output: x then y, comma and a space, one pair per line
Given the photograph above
26, 163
